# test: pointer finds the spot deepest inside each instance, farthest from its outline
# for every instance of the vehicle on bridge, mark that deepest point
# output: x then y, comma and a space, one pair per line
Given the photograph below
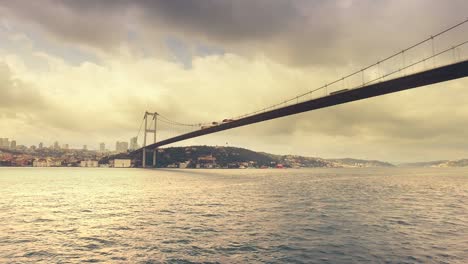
339, 91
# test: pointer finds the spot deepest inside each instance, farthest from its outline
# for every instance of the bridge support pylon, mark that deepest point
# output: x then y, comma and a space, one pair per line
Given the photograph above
154, 118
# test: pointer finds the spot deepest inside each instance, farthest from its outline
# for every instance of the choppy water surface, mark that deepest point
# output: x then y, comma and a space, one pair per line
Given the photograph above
62, 215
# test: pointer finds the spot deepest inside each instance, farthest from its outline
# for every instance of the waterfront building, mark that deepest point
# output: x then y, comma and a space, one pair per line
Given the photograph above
21, 161
13, 144
46, 162
121, 163
183, 165
207, 161
89, 163
40, 163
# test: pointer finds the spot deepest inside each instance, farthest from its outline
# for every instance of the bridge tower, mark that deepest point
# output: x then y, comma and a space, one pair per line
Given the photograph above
154, 117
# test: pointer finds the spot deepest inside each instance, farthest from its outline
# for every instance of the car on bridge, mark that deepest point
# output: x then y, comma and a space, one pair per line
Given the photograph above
339, 91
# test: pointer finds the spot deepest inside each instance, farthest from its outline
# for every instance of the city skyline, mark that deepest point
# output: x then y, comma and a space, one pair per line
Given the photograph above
10, 143
92, 79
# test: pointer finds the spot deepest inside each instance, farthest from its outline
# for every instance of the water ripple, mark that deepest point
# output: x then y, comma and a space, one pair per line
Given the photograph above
234, 216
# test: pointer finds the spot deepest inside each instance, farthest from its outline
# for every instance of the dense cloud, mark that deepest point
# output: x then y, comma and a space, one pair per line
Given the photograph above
16, 95
296, 32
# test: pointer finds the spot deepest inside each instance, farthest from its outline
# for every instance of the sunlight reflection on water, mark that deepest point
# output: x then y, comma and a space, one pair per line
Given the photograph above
73, 215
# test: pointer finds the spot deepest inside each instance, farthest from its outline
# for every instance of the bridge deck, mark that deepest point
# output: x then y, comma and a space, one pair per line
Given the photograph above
437, 75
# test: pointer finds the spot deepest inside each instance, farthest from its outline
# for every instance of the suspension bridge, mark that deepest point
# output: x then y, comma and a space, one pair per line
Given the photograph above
439, 58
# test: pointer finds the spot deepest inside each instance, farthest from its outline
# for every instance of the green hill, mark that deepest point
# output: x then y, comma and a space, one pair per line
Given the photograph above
232, 157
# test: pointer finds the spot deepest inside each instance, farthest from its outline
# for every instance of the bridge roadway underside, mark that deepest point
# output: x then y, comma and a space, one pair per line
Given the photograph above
433, 76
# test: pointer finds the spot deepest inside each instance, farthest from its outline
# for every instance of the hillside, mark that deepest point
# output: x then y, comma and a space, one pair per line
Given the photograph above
232, 157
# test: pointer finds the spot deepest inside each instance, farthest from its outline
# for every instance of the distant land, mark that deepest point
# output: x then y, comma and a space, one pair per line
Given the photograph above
201, 157
438, 164
232, 157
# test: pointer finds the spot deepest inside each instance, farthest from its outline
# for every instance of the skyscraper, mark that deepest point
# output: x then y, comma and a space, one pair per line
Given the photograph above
41, 145
56, 145
133, 143
121, 146
13, 144
4, 143
102, 147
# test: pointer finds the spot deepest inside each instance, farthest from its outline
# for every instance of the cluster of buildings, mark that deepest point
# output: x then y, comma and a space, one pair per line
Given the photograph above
209, 162
6, 144
56, 155
75, 159
205, 162
120, 146
115, 163
89, 163
21, 160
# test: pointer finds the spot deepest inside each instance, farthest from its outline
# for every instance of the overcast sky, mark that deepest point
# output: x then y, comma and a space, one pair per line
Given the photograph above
84, 72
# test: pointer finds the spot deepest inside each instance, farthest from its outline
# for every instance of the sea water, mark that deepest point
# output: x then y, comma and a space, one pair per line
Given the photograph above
382, 215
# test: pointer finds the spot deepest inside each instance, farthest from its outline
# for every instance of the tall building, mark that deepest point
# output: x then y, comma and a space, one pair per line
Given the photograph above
133, 143
13, 144
4, 143
56, 145
41, 145
102, 147
85, 147
121, 146
65, 146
